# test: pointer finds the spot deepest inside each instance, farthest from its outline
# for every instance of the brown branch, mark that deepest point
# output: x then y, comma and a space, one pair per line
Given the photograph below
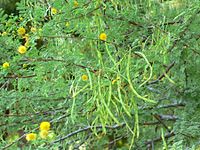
82, 15
59, 60
42, 60
171, 105
166, 71
162, 122
163, 75
167, 117
51, 111
149, 123
84, 67
149, 142
18, 76
195, 51
125, 20
173, 22
86, 129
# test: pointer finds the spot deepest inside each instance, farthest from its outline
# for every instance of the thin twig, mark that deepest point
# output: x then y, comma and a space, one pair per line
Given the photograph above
162, 122
163, 75
159, 138
86, 129
171, 105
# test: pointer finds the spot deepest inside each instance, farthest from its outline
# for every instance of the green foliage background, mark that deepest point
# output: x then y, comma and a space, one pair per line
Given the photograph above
152, 46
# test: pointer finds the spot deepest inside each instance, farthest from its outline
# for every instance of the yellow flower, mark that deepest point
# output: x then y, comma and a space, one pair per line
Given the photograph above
67, 24
21, 18
31, 136
115, 80
33, 29
75, 4
103, 36
54, 11
4, 34
6, 65
43, 134
25, 66
22, 49
45, 126
84, 77
21, 31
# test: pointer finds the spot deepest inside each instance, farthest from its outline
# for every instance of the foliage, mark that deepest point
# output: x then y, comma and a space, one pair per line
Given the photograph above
106, 74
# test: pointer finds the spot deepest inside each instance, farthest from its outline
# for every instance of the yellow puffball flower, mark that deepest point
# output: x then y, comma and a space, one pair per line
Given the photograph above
84, 77
54, 11
21, 18
4, 34
43, 134
67, 24
45, 126
115, 80
21, 31
75, 4
24, 66
103, 36
31, 136
22, 49
5, 65
33, 29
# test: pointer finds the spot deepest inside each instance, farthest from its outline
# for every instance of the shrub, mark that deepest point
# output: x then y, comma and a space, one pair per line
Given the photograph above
105, 74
